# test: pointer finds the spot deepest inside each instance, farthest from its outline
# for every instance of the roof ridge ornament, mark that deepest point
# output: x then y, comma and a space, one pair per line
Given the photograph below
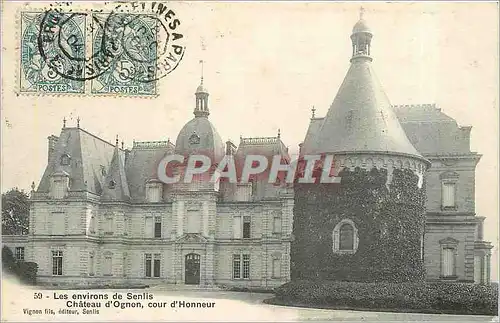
201, 108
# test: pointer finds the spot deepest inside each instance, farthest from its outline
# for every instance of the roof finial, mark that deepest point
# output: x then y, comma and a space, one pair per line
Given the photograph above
279, 132
123, 144
78, 122
202, 62
64, 122
33, 186
116, 141
361, 12
313, 110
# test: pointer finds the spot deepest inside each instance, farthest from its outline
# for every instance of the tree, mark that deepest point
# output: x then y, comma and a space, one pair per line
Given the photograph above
15, 212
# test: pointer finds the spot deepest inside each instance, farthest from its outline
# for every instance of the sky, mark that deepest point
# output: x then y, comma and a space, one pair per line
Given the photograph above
266, 66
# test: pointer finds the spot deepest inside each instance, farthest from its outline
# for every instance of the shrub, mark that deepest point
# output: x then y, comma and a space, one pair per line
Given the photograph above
25, 271
424, 296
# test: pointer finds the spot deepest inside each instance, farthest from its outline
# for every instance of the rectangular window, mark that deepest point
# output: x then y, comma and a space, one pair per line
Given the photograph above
124, 265
58, 189
156, 269
236, 266
125, 225
108, 265
58, 223
148, 227
237, 227
57, 263
193, 222
109, 226
277, 224
157, 227
276, 268
92, 224
153, 193
20, 253
448, 264
246, 227
91, 264
448, 194
147, 265
246, 266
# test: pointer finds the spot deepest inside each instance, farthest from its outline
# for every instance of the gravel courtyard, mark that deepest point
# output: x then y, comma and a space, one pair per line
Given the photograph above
17, 301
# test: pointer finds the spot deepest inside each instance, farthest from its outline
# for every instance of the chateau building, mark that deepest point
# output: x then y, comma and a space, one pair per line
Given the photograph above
100, 214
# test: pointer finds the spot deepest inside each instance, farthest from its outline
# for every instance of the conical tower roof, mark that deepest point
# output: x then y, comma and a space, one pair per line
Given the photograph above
361, 118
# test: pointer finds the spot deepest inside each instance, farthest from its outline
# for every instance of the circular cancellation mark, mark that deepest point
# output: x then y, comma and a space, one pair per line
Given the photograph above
136, 41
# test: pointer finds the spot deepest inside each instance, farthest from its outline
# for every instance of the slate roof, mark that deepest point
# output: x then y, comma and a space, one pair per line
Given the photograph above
360, 119
199, 136
430, 131
88, 156
116, 185
142, 163
433, 132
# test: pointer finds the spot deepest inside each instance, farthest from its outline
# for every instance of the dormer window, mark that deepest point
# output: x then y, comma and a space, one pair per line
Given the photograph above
65, 160
59, 185
194, 139
112, 184
154, 191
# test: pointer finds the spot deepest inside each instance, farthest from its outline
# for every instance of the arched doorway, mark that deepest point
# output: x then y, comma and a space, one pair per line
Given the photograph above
192, 269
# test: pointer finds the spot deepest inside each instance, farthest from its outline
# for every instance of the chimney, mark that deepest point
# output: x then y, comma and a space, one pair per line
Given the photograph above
465, 142
52, 146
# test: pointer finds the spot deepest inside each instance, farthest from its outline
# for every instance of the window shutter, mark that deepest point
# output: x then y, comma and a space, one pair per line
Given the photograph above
246, 227
448, 195
276, 267
237, 227
156, 269
149, 227
58, 223
277, 224
147, 264
448, 262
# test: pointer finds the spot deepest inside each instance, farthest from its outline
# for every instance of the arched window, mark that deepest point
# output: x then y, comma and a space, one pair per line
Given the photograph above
346, 240
345, 237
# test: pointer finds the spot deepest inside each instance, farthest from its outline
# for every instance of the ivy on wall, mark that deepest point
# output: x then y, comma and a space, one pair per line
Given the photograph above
390, 222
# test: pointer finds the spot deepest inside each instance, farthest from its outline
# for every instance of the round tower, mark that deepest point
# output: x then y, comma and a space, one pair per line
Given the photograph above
370, 226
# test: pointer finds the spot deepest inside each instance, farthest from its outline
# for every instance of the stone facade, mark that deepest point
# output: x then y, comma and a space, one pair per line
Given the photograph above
451, 220
101, 216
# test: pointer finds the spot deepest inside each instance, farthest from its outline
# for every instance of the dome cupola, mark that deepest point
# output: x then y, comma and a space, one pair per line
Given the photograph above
361, 38
199, 135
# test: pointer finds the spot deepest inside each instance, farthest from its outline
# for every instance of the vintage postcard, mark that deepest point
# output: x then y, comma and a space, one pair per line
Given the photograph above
249, 161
